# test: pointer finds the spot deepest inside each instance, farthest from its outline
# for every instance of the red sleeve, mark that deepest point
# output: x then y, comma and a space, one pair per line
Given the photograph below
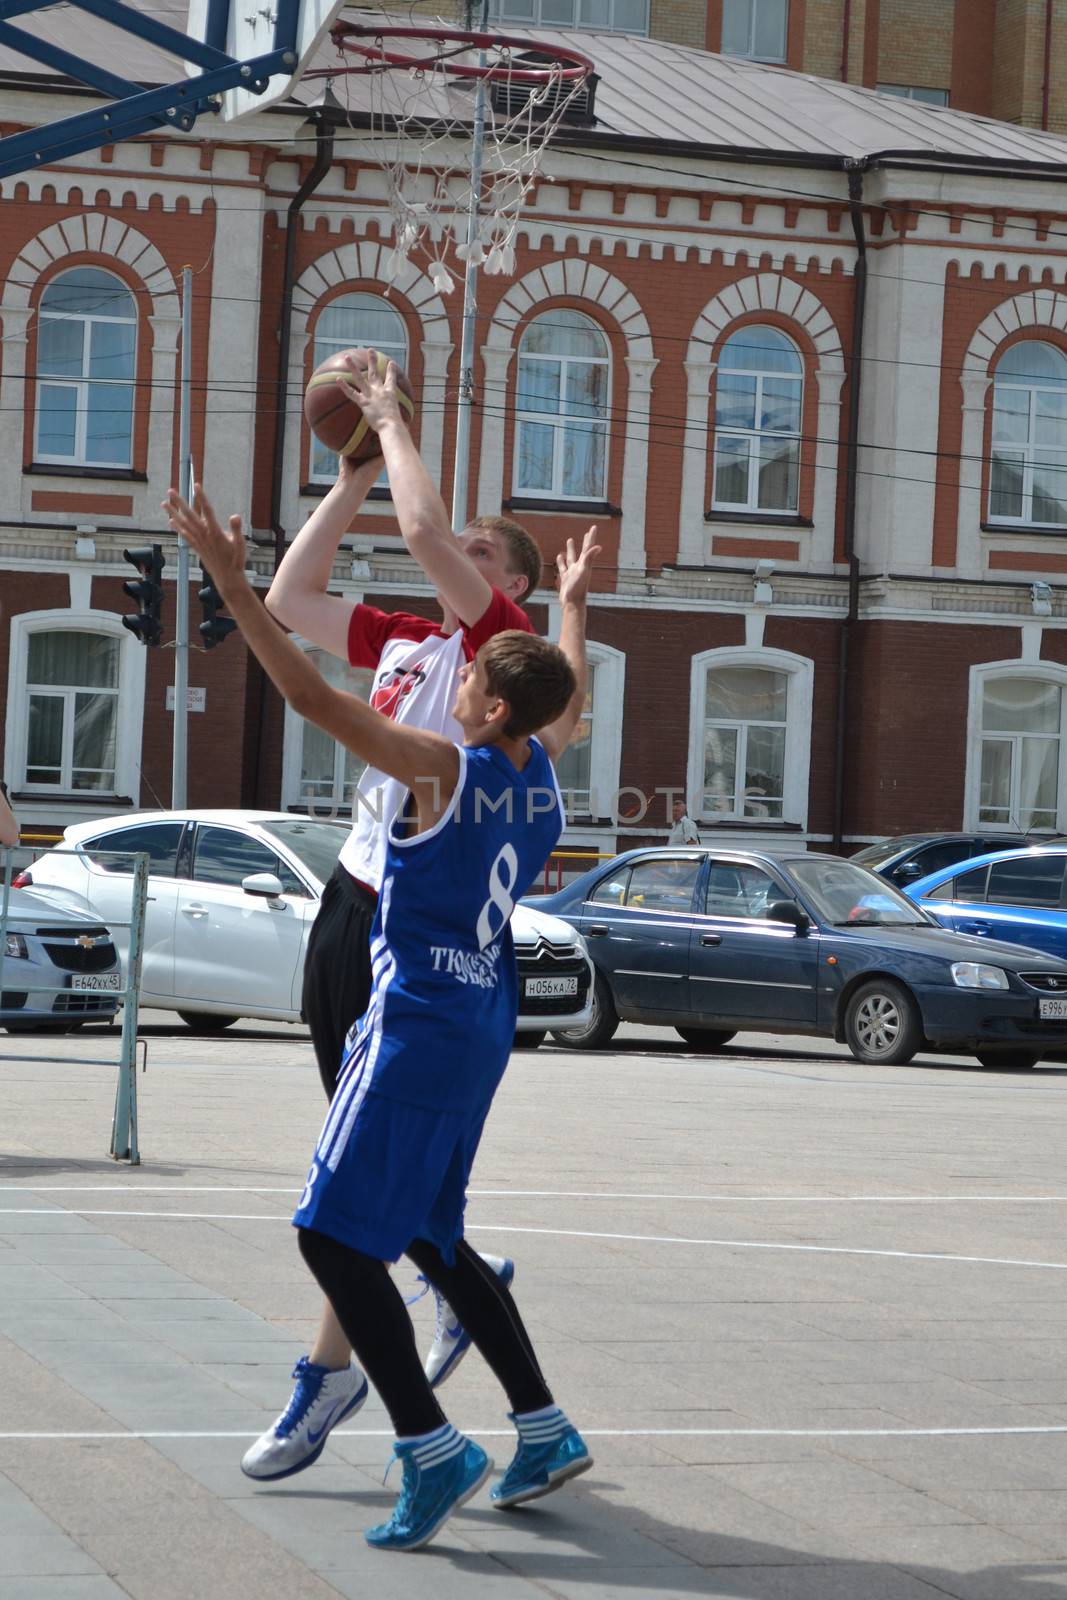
499, 615
369, 631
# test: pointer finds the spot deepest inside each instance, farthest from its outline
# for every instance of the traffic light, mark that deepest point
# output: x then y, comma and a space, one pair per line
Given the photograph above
213, 629
148, 592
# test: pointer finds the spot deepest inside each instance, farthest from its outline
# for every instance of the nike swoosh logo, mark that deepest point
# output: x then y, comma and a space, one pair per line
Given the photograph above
313, 1437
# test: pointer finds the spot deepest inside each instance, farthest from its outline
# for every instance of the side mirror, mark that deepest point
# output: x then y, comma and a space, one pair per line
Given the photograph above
263, 884
789, 911
908, 872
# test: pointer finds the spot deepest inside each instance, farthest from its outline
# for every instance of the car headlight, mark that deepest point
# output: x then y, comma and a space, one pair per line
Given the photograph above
974, 975
15, 946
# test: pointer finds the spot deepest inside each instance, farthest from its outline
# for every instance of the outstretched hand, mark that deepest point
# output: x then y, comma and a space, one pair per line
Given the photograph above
375, 396
221, 550
576, 571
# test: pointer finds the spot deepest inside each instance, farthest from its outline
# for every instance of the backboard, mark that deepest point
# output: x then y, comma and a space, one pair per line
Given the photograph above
247, 29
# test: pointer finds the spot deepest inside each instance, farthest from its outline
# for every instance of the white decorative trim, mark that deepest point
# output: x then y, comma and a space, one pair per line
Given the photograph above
350, 263
578, 279
1049, 672
801, 673
764, 291
132, 663
1041, 309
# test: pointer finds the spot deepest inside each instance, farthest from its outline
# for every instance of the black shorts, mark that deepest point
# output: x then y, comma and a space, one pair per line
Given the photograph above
337, 970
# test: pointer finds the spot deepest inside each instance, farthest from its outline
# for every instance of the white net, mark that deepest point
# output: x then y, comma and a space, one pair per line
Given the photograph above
423, 121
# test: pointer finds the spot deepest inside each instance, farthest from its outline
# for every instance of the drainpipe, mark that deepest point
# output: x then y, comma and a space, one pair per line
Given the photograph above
319, 169
846, 39
1046, 89
855, 205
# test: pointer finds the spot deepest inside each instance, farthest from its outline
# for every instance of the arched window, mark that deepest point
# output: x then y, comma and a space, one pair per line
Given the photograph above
564, 388
759, 392
750, 735
1028, 472
351, 321
1021, 738
319, 774
86, 364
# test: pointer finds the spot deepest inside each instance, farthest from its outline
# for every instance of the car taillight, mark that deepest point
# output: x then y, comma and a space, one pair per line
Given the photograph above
22, 880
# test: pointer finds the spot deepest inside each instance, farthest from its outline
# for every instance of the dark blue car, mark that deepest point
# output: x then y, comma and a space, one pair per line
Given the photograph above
1013, 895
711, 942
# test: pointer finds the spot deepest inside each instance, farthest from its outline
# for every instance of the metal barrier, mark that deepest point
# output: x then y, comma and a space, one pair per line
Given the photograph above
588, 858
124, 1125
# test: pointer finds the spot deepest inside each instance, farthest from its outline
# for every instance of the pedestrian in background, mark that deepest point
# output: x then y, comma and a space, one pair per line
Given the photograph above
685, 829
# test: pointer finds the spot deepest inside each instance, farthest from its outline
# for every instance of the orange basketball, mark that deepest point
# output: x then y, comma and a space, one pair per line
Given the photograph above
334, 419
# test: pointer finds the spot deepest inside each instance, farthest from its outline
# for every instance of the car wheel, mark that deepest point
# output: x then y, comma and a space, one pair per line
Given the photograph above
882, 1024
1008, 1058
529, 1041
601, 1025
706, 1038
207, 1021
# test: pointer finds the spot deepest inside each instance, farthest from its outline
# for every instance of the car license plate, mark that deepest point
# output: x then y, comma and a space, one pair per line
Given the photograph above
1052, 1008
111, 981
540, 988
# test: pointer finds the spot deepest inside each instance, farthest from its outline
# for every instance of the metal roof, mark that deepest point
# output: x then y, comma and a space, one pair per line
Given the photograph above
650, 92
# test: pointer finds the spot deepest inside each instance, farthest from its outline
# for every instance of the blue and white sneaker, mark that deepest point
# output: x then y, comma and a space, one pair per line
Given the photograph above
440, 1474
320, 1401
451, 1341
550, 1451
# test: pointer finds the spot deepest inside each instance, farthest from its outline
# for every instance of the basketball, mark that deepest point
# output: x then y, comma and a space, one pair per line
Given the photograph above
334, 419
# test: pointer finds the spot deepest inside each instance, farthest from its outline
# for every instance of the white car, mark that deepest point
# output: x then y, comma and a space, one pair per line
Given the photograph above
231, 899
60, 969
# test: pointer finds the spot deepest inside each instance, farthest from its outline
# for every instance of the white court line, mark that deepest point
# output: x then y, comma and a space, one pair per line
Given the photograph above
600, 1433
549, 1194
563, 1233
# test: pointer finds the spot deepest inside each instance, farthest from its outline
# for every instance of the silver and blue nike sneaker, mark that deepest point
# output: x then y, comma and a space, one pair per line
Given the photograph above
451, 1341
320, 1400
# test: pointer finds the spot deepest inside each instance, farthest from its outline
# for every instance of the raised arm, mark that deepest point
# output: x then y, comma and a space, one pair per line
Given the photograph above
427, 763
575, 572
420, 511
298, 596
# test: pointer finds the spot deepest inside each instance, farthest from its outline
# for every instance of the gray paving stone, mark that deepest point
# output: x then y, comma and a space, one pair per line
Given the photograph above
66, 1587
42, 1555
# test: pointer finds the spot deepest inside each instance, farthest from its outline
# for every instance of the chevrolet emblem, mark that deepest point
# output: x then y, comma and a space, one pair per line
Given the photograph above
85, 942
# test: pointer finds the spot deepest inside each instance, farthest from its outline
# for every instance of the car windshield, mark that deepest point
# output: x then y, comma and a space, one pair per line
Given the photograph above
850, 896
875, 855
316, 844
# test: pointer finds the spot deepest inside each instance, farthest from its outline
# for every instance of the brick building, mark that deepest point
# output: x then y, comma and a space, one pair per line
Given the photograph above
828, 602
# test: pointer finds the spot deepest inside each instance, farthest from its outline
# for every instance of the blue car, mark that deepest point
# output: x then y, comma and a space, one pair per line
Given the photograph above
1012, 895
711, 942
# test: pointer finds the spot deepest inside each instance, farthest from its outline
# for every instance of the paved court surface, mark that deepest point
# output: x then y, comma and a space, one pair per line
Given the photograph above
810, 1317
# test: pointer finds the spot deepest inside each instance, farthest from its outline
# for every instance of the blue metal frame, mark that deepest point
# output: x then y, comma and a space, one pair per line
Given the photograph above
135, 109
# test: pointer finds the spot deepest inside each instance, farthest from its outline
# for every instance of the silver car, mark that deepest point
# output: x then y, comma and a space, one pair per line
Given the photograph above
231, 899
61, 968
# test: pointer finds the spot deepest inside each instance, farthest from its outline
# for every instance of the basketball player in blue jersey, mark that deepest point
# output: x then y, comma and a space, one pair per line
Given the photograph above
390, 1171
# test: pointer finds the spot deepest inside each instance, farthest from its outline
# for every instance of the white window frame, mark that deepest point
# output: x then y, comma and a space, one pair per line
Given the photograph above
322, 348
292, 797
800, 673
131, 691
750, 53
558, 421
755, 436
532, 15
605, 756
82, 385
915, 91
1045, 672
1024, 453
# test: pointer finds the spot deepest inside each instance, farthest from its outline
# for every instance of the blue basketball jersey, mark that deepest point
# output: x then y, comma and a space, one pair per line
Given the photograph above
442, 1013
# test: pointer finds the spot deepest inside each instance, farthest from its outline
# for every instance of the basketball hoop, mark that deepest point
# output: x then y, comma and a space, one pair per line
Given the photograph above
413, 85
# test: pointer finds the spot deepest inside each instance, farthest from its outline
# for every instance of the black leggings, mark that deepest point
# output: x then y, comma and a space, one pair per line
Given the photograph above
372, 1313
